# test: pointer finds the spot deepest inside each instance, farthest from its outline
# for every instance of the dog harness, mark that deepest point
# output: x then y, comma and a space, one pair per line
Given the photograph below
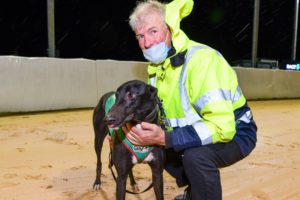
139, 152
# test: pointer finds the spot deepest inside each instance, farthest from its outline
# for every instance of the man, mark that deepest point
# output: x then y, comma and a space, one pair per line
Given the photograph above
211, 125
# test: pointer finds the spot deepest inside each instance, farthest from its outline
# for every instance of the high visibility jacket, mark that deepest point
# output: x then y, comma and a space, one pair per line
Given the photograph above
198, 88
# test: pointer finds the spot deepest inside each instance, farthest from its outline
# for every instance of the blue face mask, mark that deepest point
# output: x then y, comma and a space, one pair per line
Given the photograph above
157, 53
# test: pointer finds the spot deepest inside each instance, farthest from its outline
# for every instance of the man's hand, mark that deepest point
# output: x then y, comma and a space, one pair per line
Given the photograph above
147, 134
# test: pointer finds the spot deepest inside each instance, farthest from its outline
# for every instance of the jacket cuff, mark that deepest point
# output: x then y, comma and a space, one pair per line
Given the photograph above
168, 140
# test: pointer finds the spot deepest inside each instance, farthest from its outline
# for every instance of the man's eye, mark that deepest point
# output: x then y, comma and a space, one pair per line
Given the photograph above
153, 32
139, 37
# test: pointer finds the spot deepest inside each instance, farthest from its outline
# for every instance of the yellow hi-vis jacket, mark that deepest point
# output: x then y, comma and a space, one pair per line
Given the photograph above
198, 88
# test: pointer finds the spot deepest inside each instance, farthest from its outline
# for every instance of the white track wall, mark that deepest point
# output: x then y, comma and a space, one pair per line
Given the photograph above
43, 84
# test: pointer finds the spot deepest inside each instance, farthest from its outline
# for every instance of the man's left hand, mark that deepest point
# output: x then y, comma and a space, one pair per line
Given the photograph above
148, 134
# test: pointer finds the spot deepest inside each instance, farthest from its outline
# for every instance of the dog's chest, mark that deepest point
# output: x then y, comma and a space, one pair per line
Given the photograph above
139, 154
147, 159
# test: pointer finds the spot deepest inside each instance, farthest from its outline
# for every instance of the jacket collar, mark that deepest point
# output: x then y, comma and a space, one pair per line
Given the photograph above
178, 59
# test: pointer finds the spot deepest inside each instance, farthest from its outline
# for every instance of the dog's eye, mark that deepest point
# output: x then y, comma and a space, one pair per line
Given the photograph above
133, 103
130, 96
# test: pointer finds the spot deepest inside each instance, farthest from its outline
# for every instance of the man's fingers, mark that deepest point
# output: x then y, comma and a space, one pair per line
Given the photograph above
132, 137
146, 125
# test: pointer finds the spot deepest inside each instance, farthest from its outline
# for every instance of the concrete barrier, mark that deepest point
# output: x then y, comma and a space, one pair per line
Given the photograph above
111, 74
43, 84
268, 83
38, 84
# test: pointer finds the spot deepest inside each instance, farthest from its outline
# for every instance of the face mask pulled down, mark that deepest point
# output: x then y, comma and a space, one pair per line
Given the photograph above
157, 53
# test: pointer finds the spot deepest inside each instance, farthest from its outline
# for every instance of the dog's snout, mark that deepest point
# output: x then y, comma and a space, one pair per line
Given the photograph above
109, 119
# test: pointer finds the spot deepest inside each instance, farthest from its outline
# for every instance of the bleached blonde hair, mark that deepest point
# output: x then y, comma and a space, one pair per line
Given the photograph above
143, 10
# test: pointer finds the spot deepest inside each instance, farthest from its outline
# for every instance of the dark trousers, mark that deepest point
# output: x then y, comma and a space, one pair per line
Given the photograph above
199, 168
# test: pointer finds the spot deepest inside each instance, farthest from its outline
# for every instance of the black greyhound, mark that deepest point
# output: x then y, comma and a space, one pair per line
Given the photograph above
133, 102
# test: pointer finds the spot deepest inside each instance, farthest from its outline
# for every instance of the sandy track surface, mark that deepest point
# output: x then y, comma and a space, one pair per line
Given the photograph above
50, 156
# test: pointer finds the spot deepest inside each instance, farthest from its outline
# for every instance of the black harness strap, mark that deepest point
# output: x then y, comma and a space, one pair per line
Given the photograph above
162, 118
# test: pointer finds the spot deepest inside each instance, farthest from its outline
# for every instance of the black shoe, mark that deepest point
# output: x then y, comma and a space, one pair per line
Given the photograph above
186, 196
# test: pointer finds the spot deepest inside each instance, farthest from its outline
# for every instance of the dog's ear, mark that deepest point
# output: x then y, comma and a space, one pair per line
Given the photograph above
152, 91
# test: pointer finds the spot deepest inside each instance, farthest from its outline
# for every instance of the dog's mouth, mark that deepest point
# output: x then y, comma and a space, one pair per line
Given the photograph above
112, 126
116, 123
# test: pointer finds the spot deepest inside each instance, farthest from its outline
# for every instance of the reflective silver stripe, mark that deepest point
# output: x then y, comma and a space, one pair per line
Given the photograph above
180, 122
237, 95
152, 81
190, 117
217, 95
212, 96
203, 132
188, 112
246, 117
177, 122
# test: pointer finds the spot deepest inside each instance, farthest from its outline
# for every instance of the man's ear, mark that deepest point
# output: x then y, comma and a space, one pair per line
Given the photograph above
152, 91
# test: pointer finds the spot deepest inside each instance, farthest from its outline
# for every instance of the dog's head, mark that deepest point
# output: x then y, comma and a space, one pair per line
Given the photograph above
135, 100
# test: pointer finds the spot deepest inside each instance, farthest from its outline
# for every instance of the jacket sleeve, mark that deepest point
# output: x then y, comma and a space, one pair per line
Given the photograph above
182, 138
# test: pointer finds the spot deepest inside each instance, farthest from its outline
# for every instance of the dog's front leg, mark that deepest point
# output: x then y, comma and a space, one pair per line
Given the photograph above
100, 130
121, 187
157, 178
98, 148
123, 170
123, 163
157, 174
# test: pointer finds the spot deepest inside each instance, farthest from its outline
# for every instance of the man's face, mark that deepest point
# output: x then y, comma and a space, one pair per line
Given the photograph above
152, 32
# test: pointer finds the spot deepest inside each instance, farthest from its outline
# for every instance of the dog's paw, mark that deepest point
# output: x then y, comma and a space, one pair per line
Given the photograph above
97, 184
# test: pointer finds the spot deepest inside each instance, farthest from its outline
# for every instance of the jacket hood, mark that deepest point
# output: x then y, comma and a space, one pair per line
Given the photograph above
175, 12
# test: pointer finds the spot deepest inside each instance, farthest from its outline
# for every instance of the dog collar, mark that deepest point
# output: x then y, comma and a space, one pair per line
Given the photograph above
151, 117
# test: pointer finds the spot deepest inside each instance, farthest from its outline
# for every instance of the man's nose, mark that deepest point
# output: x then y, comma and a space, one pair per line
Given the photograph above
148, 43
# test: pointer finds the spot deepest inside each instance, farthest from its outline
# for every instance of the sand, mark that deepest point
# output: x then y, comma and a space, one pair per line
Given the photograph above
50, 156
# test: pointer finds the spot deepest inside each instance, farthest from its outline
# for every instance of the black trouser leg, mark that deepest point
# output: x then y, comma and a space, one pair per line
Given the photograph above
201, 168
174, 167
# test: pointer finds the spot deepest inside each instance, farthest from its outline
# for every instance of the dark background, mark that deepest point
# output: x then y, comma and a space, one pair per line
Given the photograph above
98, 29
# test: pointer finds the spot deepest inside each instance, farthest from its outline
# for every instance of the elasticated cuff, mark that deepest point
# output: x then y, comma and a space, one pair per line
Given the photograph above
168, 140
